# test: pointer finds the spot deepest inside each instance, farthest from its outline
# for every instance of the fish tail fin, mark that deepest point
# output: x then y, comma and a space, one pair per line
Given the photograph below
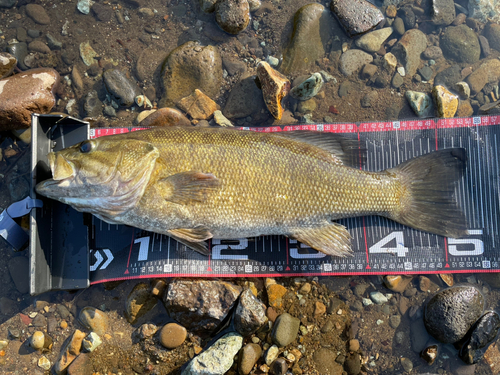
427, 193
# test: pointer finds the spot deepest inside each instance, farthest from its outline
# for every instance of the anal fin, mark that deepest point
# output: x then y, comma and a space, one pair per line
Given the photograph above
329, 238
193, 238
187, 187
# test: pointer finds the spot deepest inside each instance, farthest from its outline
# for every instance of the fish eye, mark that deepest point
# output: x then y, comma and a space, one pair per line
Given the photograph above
85, 147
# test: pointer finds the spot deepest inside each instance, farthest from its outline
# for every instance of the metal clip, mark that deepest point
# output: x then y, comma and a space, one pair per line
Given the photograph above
9, 229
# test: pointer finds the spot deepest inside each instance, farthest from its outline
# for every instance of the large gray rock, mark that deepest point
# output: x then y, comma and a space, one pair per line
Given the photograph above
356, 16
443, 12
250, 314
452, 312
123, 89
353, 60
285, 330
409, 48
461, 44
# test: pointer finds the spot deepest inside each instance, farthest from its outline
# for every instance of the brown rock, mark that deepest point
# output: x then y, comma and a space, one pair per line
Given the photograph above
38, 46
275, 86
38, 14
7, 64
275, 294
198, 105
397, 283
94, 319
26, 93
356, 16
81, 365
232, 16
139, 302
69, 353
409, 48
446, 101
319, 308
488, 71
166, 117
172, 335
492, 358
391, 11
464, 109
492, 33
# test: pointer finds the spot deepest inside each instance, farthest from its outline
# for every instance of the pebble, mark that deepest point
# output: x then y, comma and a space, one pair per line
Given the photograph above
62, 311
395, 321
19, 51
44, 363
353, 345
319, 308
373, 41
37, 340
24, 93
407, 364
279, 367
408, 17
271, 355
442, 12
123, 89
460, 43
198, 105
422, 105
397, 283
103, 13
485, 45
69, 352
353, 60
92, 106
426, 73
83, 6
324, 359
248, 357
492, 34
37, 13
432, 53
356, 16
305, 288
250, 314
368, 100
451, 312
7, 64
200, 305
81, 365
172, 335
94, 319
53, 43
378, 298
285, 330
139, 302
233, 16
91, 342
488, 71
166, 117
409, 48
87, 53
459, 19
222, 120
446, 101
399, 26
146, 330
391, 11
245, 99
218, 358
309, 88
275, 86
367, 302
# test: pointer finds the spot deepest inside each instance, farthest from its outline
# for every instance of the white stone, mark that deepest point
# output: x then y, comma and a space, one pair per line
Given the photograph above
401, 71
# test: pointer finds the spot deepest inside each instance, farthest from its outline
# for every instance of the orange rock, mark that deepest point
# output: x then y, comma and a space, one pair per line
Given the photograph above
446, 101
166, 117
319, 308
69, 353
198, 105
275, 86
275, 295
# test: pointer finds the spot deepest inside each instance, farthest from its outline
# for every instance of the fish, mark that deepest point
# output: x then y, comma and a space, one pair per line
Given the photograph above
196, 184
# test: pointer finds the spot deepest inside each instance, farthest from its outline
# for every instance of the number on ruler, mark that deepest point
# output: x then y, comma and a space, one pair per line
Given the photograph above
216, 250
400, 248
294, 251
476, 243
143, 248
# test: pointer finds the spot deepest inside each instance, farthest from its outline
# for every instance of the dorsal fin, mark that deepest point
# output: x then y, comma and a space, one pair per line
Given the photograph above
346, 150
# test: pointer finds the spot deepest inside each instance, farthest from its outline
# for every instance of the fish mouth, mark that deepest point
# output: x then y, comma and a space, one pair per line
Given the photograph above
62, 172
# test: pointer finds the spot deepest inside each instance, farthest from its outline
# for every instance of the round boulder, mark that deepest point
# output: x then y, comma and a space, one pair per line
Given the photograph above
460, 43
232, 16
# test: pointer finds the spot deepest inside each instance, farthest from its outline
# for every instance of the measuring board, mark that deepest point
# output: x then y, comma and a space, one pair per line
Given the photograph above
381, 246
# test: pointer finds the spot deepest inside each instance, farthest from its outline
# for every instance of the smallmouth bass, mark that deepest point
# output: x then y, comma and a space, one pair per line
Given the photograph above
194, 184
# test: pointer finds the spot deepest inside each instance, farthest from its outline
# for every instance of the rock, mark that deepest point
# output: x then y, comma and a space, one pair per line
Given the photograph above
87, 53
464, 109
369, 99
7, 3
221, 120
397, 283
200, 305
488, 71
279, 367
426, 73
63, 311
208, 6
442, 12
307, 106
37, 340
245, 99
19, 272
189, 67
353, 60
103, 13
233, 65
147, 63
485, 45
391, 11
198, 105
69, 353
408, 16
407, 364
449, 77
53, 43
91, 342
166, 117
92, 106
452, 312
492, 33
19, 51
218, 358
373, 41
44, 363
378, 298
271, 355
432, 53
395, 321
421, 103
172, 335
275, 294
94, 319
37, 13
120, 87
275, 87
399, 26
285, 330
146, 12
324, 359
460, 43
7, 64
308, 88
356, 16
81, 365
409, 48
248, 357
459, 19
145, 331
446, 101
39, 321
419, 335
25, 93
483, 10
232, 16
141, 116
390, 62
250, 314
83, 6
312, 28
139, 302
480, 337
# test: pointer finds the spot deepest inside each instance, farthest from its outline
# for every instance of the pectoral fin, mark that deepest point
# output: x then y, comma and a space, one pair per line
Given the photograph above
329, 238
187, 187
193, 238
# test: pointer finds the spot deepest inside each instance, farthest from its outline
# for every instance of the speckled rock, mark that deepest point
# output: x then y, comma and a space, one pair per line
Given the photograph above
285, 330
172, 335
166, 117
232, 16
488, 71
452, 312
460, 43
250, 314
409, 48
69, 353
92, 106
188, 67
373, 41
248, 357
38, 14
139, 302
7, 64
25, 93
245, 99
421, 103
356, 16
446, 101
353, 60
432, 53
442, 12
200, 305
308, 88
94, 319
313, 26
123, 89
492, 33
275, 86
218, 358
198, 105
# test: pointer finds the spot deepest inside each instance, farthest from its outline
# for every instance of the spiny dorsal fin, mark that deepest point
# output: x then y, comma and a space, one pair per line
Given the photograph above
187, 187
347, 151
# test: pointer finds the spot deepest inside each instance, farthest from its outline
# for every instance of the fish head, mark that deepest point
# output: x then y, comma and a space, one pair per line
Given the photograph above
103, 176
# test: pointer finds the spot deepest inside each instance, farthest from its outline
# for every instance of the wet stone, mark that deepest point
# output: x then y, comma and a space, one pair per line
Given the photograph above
446, 101
356, 16
460, 43
102, 12
233, 65
485, 45
245, 99
459, 19
426, 73
172, 335
353, 60
87, 53
69, 353
250, 314
421, 103
308, 88
94, 319
442, 12
39, 321
407, 364
285, 330
409, 49
397, 283
248, 357
38, 14
92, 106
395, 321
53, 43
19, 51
38, 46
275, 86
373, 41
63, 311
21, 34
139, 302
123, 89
487, 72
449, 77
492, 33
91, 342
369, 99
452, 312
232, 16
279, 367
399, 26
19, 272
81, 365
408, 17
271, 355
221, 120
483, 333
432, 53
145, 331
